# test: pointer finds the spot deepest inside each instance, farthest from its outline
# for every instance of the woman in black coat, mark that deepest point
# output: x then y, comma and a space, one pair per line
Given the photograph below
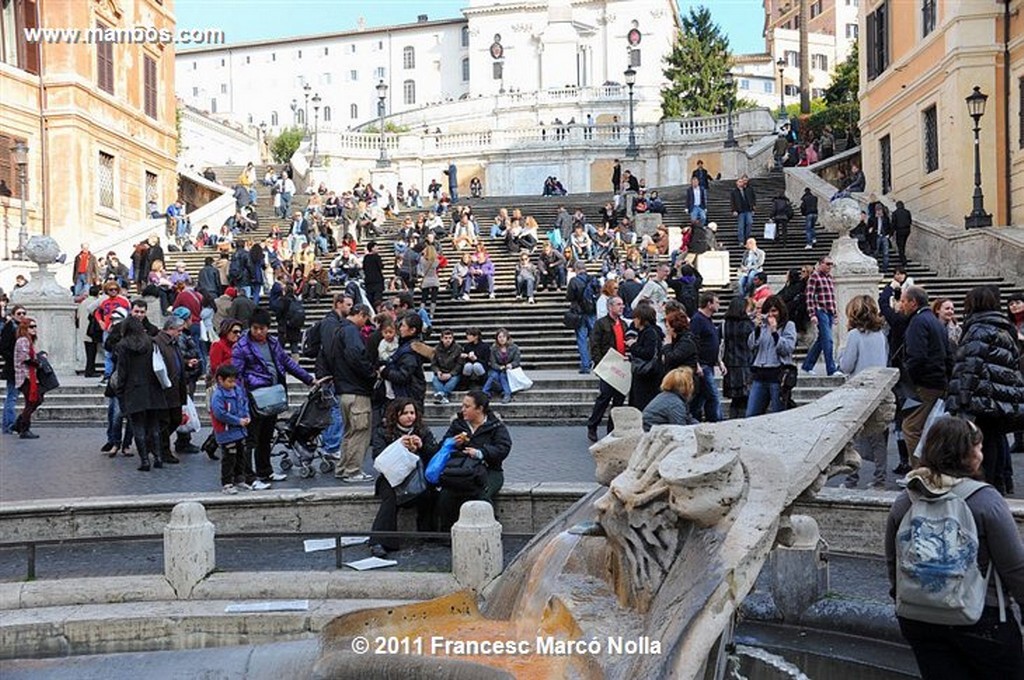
737, 356
987, 383
142, 397
403, 420
646, 346
404, 369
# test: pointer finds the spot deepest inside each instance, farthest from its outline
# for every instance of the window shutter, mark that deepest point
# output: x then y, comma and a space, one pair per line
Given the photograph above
7, 171
28, 53
149, 87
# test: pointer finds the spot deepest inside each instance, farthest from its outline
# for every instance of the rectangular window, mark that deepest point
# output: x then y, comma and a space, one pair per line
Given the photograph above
498, 70
380, 73
817, 93
928, 15
744, 84
149, 86
248, 60
15, 18
885, 158
792, 58
195, 91
930, 123
878, 41
327, 50
353, 75
769, 87
409, 92
819, 61
816, 9
223, 88
273, 56
352, 48
325, 79
409, 58
213, 105
634, 58
1020, 112
792, 91
8, 168
852, 31
105, 180
465, 69
222, 63
298, 54
105, 63
151, 189
852, 3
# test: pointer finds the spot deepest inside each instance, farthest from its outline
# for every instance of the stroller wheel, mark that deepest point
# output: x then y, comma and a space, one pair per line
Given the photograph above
326, 466
286, 463
306, 472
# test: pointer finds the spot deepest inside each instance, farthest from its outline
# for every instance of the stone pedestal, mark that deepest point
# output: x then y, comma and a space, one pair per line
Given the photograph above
188, 548
387, 176
646, 223
52, 306
855, 273
799, 569
477, 555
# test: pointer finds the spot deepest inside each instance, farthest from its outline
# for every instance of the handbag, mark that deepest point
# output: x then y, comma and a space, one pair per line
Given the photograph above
464, 475
571, 320
45, 374
412, 487
269, 401
645, 368
210, 445
160, 367
518, 380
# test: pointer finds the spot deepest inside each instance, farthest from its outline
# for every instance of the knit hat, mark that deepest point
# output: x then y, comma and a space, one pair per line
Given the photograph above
230, 292
182, 313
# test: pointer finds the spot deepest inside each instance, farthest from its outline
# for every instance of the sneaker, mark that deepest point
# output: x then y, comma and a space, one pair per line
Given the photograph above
171, 458
438, 399
260, 485
532, 301
491, 296
518, 298
465, 297
358, 478
444, 400
103, 382
229, 489
902, 482
808, 246
28, 434
278, 477
592, 434
242, 486
838, 374
506, 399
804, 371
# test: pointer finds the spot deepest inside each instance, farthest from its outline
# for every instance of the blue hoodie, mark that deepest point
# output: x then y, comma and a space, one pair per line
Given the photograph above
228, 407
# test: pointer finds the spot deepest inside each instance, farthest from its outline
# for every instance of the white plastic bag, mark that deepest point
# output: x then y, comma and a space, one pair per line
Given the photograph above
937, 412
395, 462
160, 368
189, 418
517, 379
769, 231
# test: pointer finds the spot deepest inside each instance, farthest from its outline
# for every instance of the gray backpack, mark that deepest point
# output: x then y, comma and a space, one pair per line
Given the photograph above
937, 575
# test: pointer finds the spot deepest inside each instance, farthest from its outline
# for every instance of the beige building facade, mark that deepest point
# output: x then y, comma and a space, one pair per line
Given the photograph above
98, 118
918, 62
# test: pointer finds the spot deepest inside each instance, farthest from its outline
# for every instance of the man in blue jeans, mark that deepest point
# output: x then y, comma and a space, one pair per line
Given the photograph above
743, 201
7, 337
821, 308
580, 304
709, 341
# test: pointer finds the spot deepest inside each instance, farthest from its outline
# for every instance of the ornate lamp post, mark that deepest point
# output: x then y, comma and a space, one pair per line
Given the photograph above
631, 149
382, 93
730, 141
20, 153
316, 123
306, 89
976, 108
781, 63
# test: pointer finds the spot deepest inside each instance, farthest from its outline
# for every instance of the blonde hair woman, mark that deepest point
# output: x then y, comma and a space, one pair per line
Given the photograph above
670, 406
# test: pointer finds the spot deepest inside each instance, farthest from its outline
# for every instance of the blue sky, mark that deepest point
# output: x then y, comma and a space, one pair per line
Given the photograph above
244, 20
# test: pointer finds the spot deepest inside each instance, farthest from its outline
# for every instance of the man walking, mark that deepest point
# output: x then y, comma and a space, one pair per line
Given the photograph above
86, 270
331, 437
347, 361
821, 308
743, 201
616, 176
7, 340
697, 201
709, 341
901, 224
927, 361
582, 302
609, 332
809, 209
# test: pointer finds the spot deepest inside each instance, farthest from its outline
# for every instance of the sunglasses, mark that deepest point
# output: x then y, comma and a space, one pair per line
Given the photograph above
236, 331
33, 326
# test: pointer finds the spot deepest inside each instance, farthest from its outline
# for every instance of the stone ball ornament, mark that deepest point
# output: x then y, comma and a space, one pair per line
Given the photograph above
42, 250
842, 215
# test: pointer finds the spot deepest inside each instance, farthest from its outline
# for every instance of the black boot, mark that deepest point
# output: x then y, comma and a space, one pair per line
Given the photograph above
144, 456
904, 466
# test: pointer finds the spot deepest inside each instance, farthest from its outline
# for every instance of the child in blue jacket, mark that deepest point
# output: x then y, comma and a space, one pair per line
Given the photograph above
229, 407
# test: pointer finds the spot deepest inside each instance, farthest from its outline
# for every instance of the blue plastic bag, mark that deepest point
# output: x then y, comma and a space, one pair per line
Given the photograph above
439, 461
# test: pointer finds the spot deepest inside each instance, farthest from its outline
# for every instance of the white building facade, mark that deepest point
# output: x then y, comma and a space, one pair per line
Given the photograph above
496, 48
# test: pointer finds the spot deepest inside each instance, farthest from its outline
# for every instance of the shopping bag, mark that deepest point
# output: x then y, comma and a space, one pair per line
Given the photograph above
555, 239
189, 418
937, 412
395, 462
160, 368
615, 370
440, 459
517, 380
412, 487
769, 230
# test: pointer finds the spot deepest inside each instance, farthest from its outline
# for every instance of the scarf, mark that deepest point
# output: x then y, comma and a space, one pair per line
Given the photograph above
33, 395
927, 481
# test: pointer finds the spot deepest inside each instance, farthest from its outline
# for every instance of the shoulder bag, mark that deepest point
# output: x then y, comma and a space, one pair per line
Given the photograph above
464, 475
269, 401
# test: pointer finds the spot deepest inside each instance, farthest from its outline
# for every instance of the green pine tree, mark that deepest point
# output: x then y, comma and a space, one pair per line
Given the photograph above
696, 69
845, 85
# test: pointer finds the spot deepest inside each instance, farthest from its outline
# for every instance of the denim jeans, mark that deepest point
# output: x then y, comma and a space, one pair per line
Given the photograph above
744, 225
81, 284
763, 395
822, 344
699, 213
583, 340
331, 437
108, 358
708, 399
10, 401
286, 202
117, 433
445, 388
747, 282
882, 249
499, 378
809, 222
496, 231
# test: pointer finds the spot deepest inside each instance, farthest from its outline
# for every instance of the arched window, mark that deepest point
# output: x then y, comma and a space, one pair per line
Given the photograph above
465, 69
300, 116
327, 114
409, 90
409, 57
273, 119
353, 111
465, 36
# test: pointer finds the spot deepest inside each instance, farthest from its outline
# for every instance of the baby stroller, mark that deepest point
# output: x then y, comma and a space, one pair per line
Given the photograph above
299, 434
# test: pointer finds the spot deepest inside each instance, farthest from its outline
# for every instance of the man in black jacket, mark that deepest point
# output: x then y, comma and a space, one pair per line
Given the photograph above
331, 437
809, 209
926, 360
347, 361
581, 304
209, 280
7, 340
373, 274
901, 223
743, 201
609, 332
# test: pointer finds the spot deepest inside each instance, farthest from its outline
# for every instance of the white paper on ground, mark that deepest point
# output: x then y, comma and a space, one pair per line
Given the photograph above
278, 606
371, 563
314, 544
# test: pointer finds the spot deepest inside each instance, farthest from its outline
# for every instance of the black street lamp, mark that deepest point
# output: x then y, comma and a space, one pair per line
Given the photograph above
20, 153
382, 94
316, 123
632, 151
976, 108
730, 141
781, 63
305, 111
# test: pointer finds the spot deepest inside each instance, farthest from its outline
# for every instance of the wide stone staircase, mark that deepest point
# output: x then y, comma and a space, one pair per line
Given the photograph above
560, 394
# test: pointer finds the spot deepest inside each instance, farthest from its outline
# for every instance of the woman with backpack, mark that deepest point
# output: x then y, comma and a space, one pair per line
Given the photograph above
952, 539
